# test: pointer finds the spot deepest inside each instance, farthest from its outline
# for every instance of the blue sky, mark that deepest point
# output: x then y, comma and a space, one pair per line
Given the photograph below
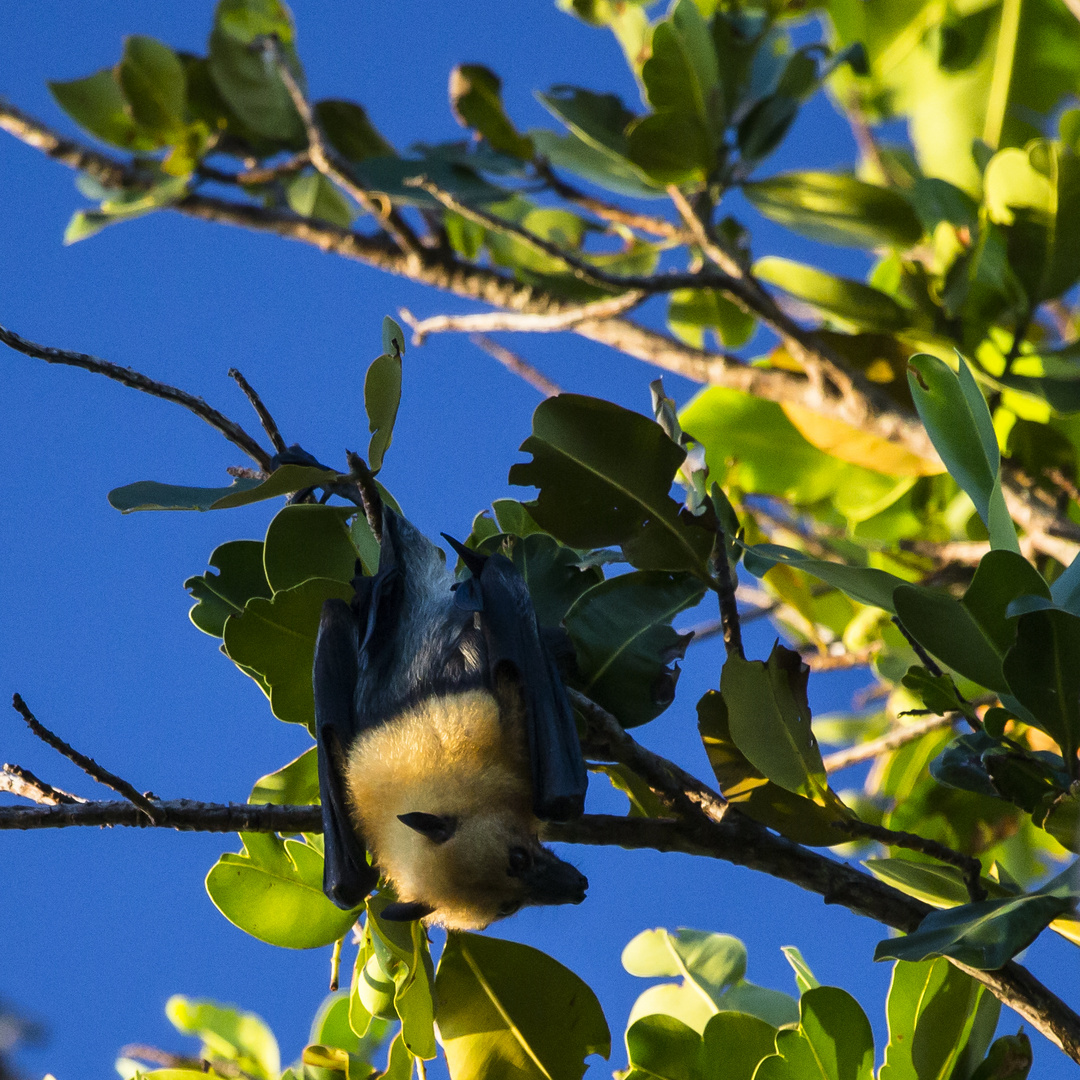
99, 928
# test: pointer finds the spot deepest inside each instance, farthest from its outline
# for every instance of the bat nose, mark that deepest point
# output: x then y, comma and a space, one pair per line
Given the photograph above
553, 881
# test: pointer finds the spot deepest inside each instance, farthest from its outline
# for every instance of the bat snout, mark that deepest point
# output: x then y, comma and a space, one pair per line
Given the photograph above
552, 881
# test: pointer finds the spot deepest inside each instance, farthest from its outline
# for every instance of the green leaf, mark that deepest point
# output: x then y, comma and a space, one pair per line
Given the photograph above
401, 949
804, 977
1009, 1059
833, 1041
552, 572
312, 195
643, 800
282, 481
665, 1048
217, 596
273, 891
155, 87
507, 1010
763, 128
862, 583
735, 1043
622, 634
769, 720
227, 1033
349, 130
150, 495
852, 301
251, 89
276, 639
932, 1009
837, 209
476, 101
604, 474
986, 934
1043, 672
309, 541
671, 148
393, 337
382, 396
1035, 193
793, 816
295, 784
97, 104
126, 205
972, 635
598, 120
959, 424
692, 311
612, 172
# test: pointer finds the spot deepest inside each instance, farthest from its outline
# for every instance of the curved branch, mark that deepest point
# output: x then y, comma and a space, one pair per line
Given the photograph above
738, 840
137, 381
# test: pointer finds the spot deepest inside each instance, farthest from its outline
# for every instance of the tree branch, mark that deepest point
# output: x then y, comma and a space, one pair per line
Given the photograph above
22, 782
738, 840
512, 362
892, 740
325, 160
87, 764
137, 381
269, 425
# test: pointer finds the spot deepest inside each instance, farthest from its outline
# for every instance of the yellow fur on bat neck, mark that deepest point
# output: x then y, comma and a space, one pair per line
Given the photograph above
458, 756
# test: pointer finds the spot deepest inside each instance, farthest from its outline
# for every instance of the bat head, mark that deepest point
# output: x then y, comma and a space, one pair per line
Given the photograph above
443, 799
465, 872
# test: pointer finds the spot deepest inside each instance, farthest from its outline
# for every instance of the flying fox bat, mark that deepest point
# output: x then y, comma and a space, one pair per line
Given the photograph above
444, 736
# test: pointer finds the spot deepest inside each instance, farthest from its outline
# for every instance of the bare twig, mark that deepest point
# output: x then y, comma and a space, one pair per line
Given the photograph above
892, 740
137, 381
608, 211
836, 661
335, 964
258, 176
512, 362
184, 815
729, 608
925, 658
967, 864
325, 160
526, 322
676, 787
88, 765
370, 498
267, 421
22, 782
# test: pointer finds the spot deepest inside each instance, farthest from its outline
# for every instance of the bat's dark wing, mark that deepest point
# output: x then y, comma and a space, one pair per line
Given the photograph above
347, 877
513, 640
351, 641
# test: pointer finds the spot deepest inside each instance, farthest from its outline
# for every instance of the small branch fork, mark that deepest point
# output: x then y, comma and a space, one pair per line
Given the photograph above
88, 765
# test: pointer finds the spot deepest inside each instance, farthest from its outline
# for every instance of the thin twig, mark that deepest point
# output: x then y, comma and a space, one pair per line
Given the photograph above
184, 815
512, 362
925, 658
608, 211
335, 964
267, 421
258, 176
325, 160
676, 787
88, 765
725, 592
892, 740
16, 780
968, 864
518, 321
370, 499
137, 381
584, 271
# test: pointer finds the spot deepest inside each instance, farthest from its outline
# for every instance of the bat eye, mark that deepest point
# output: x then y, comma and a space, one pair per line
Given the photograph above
509, 908
520, 861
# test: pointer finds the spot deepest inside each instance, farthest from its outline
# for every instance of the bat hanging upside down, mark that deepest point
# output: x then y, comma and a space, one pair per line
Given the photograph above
444, 737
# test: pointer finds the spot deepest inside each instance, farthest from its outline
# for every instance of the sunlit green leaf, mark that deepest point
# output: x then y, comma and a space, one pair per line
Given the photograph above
217, 596
273, 891
476, 100
227, 1033
312, 195
309, 541
150, 495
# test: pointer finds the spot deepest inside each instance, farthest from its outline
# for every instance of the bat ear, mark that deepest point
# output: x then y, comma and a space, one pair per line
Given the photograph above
402, 911
473, 560
437, 828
